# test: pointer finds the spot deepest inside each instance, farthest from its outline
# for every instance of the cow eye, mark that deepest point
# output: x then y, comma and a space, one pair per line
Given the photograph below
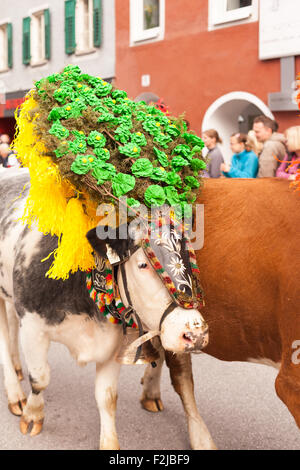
142, 265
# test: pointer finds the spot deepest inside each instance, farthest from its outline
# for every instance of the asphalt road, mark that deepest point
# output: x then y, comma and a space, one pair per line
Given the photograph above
237, 401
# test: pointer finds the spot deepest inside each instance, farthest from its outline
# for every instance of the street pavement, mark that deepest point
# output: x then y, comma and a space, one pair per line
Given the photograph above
236, 400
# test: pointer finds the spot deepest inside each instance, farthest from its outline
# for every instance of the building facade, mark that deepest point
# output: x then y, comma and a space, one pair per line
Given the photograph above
39, 38
222, 62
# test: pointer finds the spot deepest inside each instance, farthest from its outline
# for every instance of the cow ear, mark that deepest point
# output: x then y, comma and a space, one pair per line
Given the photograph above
114, 246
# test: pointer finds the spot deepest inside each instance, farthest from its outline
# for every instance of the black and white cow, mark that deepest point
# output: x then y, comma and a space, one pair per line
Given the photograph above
62, 311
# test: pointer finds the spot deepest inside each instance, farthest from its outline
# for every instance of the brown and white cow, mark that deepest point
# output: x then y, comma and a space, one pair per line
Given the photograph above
250, 270
63, 311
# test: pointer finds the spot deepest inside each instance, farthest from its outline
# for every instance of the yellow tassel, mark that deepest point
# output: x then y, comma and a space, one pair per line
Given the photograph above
73, 251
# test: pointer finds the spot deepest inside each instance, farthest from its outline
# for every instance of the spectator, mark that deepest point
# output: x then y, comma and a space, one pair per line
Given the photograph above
5, 139
215, 158
8, 158
244, 162
288, 168
273, 145
254, 144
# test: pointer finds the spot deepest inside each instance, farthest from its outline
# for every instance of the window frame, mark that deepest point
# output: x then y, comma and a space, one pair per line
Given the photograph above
3, 27
79, 27
220, 17
139, 35
34, 14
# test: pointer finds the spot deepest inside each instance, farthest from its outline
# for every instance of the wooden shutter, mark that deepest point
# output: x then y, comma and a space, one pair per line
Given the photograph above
70, 44
9, 31
47, 34
26, 40
97, 22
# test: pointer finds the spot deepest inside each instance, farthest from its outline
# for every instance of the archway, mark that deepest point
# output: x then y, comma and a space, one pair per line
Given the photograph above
233, 112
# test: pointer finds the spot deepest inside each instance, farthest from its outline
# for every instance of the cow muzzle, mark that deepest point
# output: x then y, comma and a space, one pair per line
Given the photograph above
184, 331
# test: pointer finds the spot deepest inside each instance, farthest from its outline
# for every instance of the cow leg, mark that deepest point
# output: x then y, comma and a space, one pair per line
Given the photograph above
106, 396
150, 399
180, 366
35, 344
13, 328
15, 394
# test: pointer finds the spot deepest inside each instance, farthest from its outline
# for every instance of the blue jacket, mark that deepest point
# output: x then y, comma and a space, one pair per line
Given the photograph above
243, 165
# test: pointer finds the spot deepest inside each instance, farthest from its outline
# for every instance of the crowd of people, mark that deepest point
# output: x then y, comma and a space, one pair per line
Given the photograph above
263, 152
7, 157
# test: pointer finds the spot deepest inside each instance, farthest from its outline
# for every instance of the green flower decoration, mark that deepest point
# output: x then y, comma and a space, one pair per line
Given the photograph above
102, 153
159, 174
161, 157
119, 94
56, 114
80, 103
197, 164
183, 150
142, 167
79, 134
172, 195
59, 131
193, 139
62, 149
92, 100
162, 139
192, 182
122, 184
178, 162
103, 172
155, 196
72, 70
133, 202
151, 126
122, 108
108, 117
56, 77
196, 149
63, 94
78, 145
139, 139
130, 150
183, 209
96, 139
72, 111
141, 116
173, 179
125, 121
82, 164
122, 134
172, 130
103, 89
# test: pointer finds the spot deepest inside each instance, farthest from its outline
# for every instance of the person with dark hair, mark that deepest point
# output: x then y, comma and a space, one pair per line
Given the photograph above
273, 145
211, 138
244, 163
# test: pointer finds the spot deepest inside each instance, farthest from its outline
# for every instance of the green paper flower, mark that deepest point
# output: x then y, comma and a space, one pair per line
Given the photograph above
72, 70
141, 116
78, 145
108, 117
56, 77
122, 184
92, 100
172, 130
159, 174
119, 94
133, 202
151, 126
197, 164
195, 150
142, 167
63, 94
102, 153
103, 171
155, 196
172, 195
103, 89
82, 164
162, 139
80, 103
123, 108
183, 150
122, 134
130, 150
161, 157
96, 139
139, 139
59, 131
79, 134
125, 121
193, 139
62, 149
178, 162
72, 111
56, 114
192, 182
173, 179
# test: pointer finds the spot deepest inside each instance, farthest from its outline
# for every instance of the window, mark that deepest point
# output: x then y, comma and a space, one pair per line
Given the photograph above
225, 12
36, 38
83, 26
146, 20
5, 46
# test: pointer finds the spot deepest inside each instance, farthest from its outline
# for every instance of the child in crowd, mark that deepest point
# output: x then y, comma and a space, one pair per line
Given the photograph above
244, 163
